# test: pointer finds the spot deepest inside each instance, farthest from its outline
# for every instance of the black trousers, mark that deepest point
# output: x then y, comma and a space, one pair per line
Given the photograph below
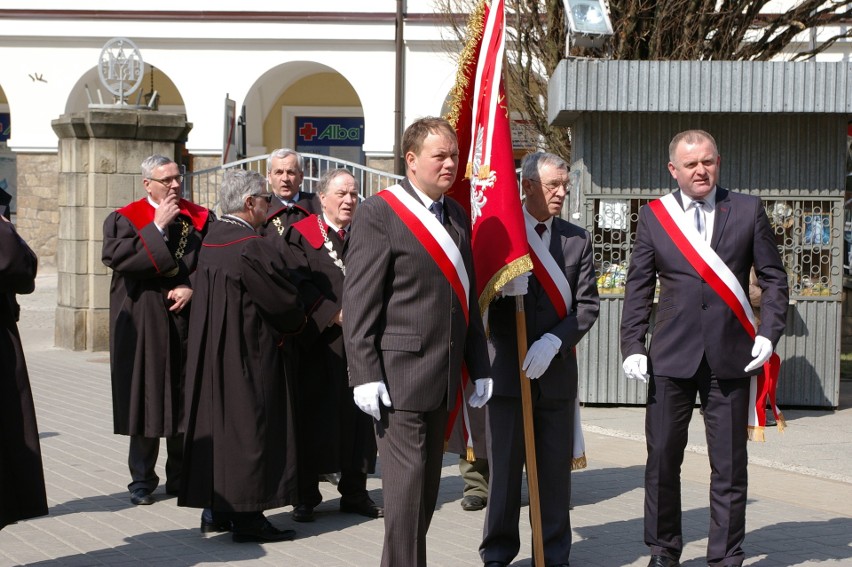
668, 413
411, 448
142, 457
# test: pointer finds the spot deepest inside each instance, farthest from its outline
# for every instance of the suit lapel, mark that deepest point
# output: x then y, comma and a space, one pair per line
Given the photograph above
722, 212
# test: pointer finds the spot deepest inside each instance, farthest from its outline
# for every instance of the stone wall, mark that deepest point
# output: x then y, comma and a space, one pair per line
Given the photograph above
37, 219
846, 320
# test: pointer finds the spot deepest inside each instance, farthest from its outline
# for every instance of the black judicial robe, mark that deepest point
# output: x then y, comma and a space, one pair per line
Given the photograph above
239, 452
147, 341
22, 492
333, 432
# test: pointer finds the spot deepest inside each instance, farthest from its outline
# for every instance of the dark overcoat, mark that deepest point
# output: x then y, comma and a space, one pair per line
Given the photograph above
239, 452
147, 341
22, 492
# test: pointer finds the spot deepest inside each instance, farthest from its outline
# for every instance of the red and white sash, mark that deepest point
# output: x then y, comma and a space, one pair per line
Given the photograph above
722, 280
555, 284
434, 238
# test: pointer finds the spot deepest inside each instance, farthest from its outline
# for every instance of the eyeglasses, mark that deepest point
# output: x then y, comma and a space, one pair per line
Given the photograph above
265, 196
551, 187
168, 180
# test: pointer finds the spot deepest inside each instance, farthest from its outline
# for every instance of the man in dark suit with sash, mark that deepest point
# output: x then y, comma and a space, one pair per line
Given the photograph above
700, 243
560, 305
411, 321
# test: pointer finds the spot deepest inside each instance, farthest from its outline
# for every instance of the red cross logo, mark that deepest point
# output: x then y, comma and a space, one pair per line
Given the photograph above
307, 131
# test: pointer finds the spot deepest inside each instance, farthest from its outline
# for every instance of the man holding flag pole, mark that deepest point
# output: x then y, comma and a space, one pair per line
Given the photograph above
558, 302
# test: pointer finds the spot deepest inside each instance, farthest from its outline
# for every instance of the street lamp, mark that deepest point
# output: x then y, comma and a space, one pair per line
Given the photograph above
588, 22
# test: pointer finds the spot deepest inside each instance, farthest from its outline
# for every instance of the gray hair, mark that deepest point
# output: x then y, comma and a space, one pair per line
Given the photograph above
281, 153
151, 163
333, 174
691, 137
237, 184
532, 163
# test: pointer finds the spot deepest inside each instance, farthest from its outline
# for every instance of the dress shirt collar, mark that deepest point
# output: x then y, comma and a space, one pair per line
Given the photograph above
709, 201
424, 198
333, 226
532, 221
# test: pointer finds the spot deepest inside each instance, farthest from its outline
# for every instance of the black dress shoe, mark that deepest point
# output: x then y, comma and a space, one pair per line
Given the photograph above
495, 564
364, 506
473, 503
263, 533
214, 527
663, 561
141, 497
303, 513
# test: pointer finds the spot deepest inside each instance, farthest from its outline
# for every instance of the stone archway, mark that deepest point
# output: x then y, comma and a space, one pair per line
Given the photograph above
290, 91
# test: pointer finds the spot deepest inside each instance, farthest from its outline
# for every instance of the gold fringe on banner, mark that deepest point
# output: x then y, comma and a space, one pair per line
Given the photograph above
756, 433
502, 277
468, 57
578, 463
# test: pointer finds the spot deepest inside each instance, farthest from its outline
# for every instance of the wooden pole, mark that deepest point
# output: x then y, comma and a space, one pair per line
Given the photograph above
529, 434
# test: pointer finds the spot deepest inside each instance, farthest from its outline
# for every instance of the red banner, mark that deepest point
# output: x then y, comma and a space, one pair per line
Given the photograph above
486, 183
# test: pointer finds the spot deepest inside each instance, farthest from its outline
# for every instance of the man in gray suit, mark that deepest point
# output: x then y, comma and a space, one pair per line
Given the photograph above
556, 322
412, 319
700, 243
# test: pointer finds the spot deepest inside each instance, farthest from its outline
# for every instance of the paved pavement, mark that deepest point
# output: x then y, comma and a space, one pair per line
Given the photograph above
800, 497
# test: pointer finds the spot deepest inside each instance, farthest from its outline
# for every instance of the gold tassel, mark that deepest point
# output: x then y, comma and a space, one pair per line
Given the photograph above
501, 278
578, 463
756, 433
468, 57
468, 171
781, 423
470, 457
484, 171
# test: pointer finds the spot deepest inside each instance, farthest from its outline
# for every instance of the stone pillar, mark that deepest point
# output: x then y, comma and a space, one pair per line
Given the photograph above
100, 153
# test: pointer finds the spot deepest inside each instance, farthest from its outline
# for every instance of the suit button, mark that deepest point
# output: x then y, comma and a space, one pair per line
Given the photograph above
452, 344
453, 309
704, 307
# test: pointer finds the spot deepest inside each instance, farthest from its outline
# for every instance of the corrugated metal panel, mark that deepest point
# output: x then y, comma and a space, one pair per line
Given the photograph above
801, 155
754, 87
599, 358
810, 367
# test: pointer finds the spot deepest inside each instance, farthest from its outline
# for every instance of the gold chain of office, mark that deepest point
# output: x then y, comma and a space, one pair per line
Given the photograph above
181, 248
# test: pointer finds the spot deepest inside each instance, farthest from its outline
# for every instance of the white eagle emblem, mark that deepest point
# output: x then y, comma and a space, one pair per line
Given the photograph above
482, 177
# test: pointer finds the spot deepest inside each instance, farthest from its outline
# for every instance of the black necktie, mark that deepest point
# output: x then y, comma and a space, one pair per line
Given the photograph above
540, 228
437, 209
699, 217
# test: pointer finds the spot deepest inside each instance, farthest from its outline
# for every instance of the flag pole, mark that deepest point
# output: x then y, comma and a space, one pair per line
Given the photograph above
529, 434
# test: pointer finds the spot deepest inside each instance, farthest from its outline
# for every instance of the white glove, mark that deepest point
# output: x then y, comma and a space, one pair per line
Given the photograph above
761, 351
540, 355
484, 388
636, 367
367, 398
517, 286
